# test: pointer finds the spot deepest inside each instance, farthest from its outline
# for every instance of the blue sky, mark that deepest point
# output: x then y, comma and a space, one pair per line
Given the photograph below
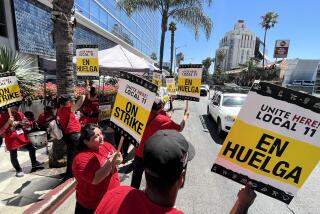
298, 21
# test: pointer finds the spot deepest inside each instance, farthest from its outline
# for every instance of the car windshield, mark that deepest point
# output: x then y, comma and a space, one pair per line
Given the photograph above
233, 101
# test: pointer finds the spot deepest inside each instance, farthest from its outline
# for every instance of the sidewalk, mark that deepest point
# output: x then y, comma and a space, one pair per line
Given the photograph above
40, 192
17, 194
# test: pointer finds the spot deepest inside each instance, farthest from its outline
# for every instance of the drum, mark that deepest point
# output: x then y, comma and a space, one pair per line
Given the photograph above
38, 138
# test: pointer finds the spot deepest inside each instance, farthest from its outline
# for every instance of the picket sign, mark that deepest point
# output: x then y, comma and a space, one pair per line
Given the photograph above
274, 142
189, 82
132, 106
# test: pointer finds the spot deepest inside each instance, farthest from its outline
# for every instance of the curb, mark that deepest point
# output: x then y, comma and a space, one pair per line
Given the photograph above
53, 199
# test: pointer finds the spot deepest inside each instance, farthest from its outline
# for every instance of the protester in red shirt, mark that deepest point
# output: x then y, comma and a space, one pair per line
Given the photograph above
90, 107
70, 127
166, 155
45, 118
95, 169
14, 131
158, 120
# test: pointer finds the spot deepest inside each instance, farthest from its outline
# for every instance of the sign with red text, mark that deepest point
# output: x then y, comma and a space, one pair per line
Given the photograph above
274, 142
157, 78
171, 85
132, 106
87, 62
189, 82
281, 49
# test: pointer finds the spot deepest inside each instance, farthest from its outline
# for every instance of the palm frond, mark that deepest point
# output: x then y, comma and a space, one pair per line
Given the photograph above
11, 61
131, 6
195, 18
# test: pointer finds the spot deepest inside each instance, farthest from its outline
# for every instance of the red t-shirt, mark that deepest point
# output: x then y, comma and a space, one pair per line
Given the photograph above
90, 105
68, 120
84, 167
125, 199
160, 121
45, 118
15, 139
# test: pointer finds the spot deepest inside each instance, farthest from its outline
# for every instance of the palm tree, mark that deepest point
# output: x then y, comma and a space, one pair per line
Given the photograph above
187, 12
268, 21
206, 65
219, 59
172, 28
179, 58
63, 28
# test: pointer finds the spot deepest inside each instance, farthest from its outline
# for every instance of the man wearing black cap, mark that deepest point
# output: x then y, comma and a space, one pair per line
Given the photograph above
166, 155
158, 120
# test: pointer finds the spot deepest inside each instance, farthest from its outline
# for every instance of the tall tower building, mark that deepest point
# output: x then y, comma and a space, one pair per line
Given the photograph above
237, 45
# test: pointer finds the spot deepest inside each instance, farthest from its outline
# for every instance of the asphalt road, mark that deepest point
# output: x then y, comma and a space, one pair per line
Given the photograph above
206, 192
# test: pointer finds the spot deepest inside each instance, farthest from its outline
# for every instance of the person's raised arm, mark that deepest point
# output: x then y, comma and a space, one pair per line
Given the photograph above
107, 168
246, 197
78, 104
184, 120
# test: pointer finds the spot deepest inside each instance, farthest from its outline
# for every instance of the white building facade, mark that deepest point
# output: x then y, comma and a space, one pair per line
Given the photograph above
237, 45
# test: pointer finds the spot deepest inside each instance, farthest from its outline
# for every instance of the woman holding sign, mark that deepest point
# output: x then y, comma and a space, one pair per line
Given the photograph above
90, 107
95, 169
14, 131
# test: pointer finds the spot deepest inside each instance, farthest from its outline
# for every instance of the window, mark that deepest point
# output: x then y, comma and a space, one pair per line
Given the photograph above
3, 25
233, 101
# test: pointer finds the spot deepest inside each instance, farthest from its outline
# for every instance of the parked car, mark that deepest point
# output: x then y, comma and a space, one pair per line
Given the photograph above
204, 90
224, 109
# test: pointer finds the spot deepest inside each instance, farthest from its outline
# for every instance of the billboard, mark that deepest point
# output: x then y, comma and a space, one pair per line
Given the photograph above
281, 49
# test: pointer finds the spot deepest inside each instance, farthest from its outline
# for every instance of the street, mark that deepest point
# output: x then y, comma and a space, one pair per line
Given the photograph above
207, 192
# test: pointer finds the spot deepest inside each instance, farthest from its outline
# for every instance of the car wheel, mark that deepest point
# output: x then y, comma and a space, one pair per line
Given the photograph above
219, 127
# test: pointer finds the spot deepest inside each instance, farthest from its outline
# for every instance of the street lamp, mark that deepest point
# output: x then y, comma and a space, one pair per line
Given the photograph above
175, 55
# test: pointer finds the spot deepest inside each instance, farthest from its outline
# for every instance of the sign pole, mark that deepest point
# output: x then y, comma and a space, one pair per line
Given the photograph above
9, 111
187, 106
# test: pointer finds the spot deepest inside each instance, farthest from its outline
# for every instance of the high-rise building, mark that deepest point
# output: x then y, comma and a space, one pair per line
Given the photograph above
26, 26
238, 46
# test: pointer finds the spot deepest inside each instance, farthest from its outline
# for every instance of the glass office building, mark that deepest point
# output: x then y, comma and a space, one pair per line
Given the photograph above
141, 30
29, 27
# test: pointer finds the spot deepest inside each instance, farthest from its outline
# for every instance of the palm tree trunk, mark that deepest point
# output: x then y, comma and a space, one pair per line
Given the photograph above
63, 40
63, 29
164, 27
171, 55
264, 46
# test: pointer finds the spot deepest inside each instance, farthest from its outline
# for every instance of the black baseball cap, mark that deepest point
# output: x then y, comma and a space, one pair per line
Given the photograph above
157, 104
166, 154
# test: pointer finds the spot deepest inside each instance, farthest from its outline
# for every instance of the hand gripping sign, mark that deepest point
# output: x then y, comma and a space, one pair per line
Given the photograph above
274, 142
157, 78
171, 85
189, 82
132, 106
9, 91
87, 62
